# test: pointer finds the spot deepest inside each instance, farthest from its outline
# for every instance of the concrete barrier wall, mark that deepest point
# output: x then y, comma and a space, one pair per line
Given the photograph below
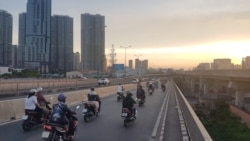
14, 109
196, 130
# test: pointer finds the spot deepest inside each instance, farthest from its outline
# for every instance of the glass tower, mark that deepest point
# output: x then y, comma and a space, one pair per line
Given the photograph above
37, 45
6, 22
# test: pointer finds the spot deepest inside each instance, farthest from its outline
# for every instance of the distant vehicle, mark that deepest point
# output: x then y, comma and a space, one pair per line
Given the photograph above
103, 81
135, 80
84, 78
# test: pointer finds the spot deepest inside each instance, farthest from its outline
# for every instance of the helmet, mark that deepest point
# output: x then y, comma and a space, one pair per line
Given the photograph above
92, 89
129, 94
39, 89
33, 91
61, 97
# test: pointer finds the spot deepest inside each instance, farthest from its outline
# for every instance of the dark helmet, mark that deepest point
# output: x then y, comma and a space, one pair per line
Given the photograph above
61, 97
92, 89
129, 94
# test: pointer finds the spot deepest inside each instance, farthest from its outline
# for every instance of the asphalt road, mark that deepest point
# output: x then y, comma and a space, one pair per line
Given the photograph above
108, 126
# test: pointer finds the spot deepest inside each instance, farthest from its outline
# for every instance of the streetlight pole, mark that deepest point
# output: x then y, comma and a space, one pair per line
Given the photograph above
125, 58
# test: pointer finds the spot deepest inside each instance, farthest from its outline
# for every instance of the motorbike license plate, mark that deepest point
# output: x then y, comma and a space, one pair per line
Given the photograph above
25, 117
45, 134
124, 114
84, 111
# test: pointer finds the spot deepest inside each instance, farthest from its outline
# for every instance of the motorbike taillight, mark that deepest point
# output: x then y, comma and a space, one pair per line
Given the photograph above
47, 127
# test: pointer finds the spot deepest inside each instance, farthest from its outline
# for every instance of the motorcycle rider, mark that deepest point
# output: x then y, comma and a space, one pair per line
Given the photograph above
128, 102
42, 101
61, 114
93, 97
31, 104
151, 87
140, 93
120, 89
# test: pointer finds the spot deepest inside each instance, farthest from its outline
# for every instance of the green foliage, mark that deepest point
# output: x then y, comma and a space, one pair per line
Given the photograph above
23, 74
223, 127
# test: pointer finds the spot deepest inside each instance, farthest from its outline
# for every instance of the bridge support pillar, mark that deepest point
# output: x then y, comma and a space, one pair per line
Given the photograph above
239, 99
192, 84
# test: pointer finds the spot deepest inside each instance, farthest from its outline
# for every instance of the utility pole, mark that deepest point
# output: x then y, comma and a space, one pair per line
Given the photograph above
113, 59
125, 59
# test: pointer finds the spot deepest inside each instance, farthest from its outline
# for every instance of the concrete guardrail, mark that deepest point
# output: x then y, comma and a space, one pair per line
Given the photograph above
14, 109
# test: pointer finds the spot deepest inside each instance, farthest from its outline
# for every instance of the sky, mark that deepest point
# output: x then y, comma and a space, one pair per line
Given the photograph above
168, 33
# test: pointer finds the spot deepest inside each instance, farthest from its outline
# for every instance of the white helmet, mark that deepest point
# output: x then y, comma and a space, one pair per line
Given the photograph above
39, 89
33, 91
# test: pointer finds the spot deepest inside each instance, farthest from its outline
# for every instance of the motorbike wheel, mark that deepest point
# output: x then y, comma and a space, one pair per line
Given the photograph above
125, 123
26, 126
140, 103
118, 99
73, 137
86, 118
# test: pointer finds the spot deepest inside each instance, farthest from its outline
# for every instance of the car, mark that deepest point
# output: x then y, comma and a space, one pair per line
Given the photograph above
135, 80
103, 81
84, 78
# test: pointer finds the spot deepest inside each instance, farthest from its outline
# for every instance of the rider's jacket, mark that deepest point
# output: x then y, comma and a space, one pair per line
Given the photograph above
128, 102
93, 97
60, 113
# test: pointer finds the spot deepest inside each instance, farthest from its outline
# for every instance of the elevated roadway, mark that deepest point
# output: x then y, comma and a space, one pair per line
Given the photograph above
164, 117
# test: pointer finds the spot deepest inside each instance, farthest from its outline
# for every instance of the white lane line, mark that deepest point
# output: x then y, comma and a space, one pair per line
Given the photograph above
156, 127
185, 136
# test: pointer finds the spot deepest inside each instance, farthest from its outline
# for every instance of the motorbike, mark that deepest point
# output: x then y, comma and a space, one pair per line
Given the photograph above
120, 96
163, 87
89, 111
150, 91
58, 132
32, 118
140, 100
127, 116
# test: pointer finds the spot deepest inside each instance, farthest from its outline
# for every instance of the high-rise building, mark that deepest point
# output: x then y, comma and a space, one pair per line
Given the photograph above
76, 61
130, 64
144, 66
37, 44
92, 42
61, 44
222, 64
204, 66
246, 62
6, 22
141, 66
21, 40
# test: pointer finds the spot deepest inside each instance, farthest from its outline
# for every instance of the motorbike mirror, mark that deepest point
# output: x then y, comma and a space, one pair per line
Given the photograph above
77, 107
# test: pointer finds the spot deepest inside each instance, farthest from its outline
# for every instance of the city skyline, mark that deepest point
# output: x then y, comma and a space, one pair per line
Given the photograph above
179, 34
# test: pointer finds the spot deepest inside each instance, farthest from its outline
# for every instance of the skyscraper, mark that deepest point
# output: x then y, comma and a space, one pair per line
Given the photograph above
76, 61
130, 64
6, 22
61, 43
93, 42
21, 40
37, 45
